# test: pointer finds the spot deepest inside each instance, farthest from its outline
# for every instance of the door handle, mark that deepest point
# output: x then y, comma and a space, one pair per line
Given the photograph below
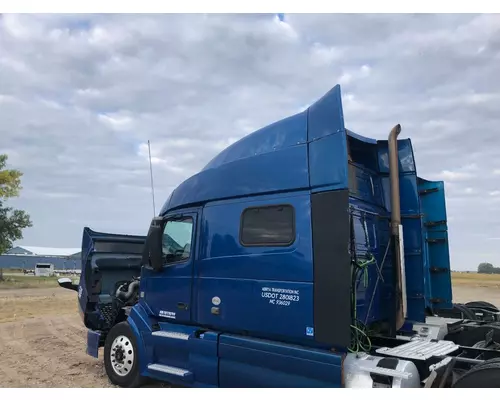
182, 306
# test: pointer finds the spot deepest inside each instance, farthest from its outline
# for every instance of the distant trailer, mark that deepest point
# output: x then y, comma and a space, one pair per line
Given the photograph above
44, 269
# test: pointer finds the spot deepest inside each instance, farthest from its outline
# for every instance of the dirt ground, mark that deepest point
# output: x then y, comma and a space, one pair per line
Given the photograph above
42, 341
42, 338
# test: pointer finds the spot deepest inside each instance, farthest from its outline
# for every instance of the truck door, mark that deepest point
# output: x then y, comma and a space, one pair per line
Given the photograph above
168, 292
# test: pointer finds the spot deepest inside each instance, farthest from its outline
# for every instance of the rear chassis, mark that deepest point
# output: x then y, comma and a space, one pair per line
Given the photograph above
448, 351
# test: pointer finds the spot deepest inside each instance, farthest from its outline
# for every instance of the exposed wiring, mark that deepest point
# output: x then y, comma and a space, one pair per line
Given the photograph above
363, 266
379, 278
360, 341
359, 337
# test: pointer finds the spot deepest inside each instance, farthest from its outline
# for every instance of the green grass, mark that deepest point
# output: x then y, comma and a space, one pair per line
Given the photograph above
12, 281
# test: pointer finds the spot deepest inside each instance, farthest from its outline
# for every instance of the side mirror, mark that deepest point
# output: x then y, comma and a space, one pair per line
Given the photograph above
67, 283
154, 244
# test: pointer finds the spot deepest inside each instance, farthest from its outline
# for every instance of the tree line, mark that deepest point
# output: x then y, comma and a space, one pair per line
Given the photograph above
487, 268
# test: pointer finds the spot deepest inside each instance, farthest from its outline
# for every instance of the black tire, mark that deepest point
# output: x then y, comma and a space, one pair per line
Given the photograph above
128, 364
466, 312
482, 304
482, 376
458, 311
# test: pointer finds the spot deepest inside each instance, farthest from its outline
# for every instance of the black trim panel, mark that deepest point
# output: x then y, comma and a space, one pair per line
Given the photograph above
332, 270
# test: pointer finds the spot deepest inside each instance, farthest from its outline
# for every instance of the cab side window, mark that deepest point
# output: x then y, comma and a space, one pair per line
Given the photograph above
268, 226
177, 236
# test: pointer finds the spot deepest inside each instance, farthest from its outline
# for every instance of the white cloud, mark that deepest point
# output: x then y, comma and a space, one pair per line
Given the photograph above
455, 175
7, 99
464, 173
323, 55
345, 79
116, 121
82, 94
365, 70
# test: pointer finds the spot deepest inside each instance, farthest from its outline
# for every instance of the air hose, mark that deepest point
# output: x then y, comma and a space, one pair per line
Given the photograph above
359, 338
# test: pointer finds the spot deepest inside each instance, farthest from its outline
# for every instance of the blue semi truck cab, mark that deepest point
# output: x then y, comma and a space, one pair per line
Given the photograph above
303, 255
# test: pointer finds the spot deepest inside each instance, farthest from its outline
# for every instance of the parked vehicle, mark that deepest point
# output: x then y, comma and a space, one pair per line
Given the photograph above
303, 255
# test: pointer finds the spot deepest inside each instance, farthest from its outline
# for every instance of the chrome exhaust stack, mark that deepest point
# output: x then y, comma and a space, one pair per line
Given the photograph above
397, 232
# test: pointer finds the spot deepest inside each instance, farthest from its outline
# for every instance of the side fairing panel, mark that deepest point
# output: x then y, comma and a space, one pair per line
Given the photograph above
249, 362
326, 116
328, 163
276, 156
327, 143
438, 289
332, 268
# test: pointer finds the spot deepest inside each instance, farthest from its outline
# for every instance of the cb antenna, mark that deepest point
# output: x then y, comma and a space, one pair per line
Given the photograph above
152, 184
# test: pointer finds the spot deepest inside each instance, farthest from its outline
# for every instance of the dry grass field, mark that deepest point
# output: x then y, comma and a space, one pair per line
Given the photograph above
42, 338
475, 280
20, 281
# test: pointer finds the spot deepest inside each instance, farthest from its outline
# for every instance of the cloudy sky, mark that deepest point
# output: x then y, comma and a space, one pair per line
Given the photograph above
81, 95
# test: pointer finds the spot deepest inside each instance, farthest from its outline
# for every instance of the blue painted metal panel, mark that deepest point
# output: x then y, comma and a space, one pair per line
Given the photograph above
172, 351
204, 359
365, 185
198, 354
436, 248
140, 325
278, 156
249, 362
287, 132
360, 138
408, 193
326, 116
239, 275
282, 170
328, 162
327, 142
28, 262
415, 291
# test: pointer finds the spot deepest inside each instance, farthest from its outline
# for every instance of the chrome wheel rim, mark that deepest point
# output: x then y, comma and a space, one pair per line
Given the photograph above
122, 355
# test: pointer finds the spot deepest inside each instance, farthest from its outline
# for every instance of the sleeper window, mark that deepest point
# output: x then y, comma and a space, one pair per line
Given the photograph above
268, 226
177, 240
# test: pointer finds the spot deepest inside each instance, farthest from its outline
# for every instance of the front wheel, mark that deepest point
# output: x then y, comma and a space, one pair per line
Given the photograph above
121, 359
